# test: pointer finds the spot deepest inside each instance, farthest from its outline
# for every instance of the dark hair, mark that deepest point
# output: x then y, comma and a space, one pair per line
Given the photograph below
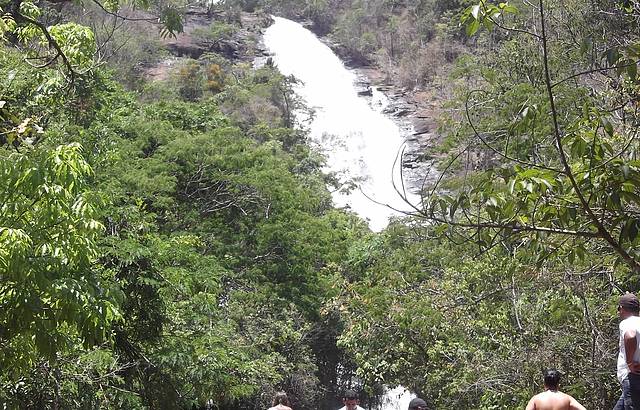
280, 398
350, 395
552, 378
630, 303
417, 403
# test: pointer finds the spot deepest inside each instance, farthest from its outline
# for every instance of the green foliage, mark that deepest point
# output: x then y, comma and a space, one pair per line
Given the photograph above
51, 292
262, 96
218, 247
77, 43
67, 43
524, 253
485, 14
7, 24
171, 20
474, 331
217, 31
558, 171
209, 274
223, 274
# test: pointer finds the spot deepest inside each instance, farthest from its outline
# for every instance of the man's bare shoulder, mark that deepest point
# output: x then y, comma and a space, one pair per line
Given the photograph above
552, 400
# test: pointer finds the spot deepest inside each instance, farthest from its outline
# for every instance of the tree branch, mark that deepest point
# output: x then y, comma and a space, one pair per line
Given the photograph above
603, 232
595, 70
52, 42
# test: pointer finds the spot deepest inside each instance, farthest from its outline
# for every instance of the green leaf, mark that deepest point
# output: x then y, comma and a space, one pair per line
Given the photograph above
632, 71
507, 8
171, 19
612, 55
632, 232
472, 27
453, 208
615, 201
630, 197
608, 127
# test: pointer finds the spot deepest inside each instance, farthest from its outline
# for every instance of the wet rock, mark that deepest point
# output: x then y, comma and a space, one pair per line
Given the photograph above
262, 61
367, 92
410, 164
421, 128
363, 86
308, 24
402, 112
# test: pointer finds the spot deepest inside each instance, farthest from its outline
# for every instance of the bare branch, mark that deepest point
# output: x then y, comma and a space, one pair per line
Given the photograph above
119, 16
595, 70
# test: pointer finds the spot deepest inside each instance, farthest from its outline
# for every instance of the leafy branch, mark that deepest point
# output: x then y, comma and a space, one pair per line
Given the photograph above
583, 196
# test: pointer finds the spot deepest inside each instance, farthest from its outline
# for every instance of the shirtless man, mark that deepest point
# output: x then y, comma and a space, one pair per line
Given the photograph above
280, 402
551, 398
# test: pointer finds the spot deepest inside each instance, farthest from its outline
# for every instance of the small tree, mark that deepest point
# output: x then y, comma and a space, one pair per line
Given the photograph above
190, 81
561, 177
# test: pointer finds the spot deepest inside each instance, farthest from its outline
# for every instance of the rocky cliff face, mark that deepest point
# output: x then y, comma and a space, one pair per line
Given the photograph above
241, 44
415, 112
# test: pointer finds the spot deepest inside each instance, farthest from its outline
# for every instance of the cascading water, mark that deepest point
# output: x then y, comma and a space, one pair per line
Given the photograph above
359, 142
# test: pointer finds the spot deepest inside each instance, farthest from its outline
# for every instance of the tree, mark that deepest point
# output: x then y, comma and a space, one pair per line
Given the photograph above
473, 330
560, 175
51, 293
69, 43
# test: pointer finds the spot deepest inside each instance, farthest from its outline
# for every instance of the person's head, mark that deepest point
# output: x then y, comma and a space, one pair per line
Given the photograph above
628, 305
350, 399
551, 379
417, 404
281, 398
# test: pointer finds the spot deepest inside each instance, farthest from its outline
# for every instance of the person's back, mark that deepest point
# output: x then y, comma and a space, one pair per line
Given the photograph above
280, 402
280, 407
553, 400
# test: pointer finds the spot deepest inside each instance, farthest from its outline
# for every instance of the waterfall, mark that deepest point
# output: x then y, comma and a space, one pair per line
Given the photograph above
360, 143
358, 140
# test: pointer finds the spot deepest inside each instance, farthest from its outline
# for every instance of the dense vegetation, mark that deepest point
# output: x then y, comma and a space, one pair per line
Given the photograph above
173, 244
162, 254
532, 230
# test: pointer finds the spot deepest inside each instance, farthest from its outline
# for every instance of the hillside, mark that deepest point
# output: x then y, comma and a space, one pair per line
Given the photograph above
167, 233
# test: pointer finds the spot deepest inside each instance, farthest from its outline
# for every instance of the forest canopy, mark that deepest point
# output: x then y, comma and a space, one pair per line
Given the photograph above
168, 238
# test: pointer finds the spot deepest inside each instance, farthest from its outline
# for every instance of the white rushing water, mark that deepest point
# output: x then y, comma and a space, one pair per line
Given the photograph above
397, 398
358, 140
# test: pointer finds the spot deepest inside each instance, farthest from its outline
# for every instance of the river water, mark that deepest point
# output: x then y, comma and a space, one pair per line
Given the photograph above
360, 143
